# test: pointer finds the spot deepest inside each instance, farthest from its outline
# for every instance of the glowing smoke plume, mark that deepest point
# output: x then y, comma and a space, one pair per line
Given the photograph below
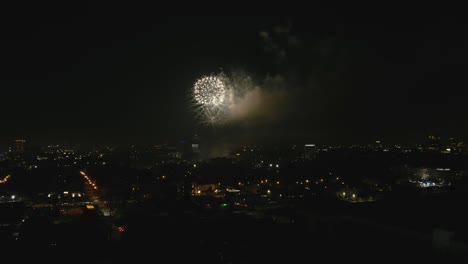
221, 99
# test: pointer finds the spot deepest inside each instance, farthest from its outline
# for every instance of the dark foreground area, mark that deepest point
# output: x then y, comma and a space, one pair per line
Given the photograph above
308, 232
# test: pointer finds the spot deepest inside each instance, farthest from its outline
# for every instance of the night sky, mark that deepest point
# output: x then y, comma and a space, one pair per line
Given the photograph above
123, 74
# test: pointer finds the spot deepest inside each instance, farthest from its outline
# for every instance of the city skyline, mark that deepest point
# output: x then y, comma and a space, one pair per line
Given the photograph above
10, 143
220, 148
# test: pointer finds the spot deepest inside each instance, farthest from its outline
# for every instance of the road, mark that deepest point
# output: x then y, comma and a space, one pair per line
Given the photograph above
92, 191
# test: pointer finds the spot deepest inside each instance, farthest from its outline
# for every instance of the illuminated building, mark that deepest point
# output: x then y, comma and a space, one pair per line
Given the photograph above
433, 143
19, 145
310, 151
455, 146
195, 145
195, 154
378, 145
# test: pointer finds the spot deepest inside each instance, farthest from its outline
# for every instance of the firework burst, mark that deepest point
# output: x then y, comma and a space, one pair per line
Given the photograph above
209, 91
211, 97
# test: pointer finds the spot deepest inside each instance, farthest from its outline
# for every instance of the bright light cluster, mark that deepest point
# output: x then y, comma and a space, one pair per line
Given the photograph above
88, 180
5, 179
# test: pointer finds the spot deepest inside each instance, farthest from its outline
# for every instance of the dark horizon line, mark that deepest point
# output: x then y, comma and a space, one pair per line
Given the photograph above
73, 144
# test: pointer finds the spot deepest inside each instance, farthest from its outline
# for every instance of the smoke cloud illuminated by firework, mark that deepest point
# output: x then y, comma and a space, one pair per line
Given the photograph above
226, 98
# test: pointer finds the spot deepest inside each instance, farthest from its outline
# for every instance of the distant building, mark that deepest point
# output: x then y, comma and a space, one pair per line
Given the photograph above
425, 177
175, 155
195, 149
195, 145
378, 145
310, 151
455, 146
20, 145
199, 189
433, 144
53, 149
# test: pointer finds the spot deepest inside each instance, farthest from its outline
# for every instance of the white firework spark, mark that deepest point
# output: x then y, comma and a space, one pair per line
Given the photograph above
211, 98
209, 91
